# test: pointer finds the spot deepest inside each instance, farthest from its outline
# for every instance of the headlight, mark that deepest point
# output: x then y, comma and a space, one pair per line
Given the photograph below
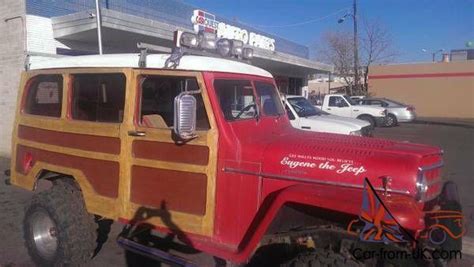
358, 133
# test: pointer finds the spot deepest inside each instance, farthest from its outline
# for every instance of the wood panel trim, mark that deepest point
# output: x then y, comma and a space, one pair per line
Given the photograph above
163, 151
101, 144
169, 189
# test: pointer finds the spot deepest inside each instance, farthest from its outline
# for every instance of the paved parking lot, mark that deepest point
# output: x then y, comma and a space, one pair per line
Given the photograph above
457, 142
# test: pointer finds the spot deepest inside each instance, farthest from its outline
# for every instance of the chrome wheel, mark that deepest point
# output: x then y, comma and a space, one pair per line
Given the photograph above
44, 233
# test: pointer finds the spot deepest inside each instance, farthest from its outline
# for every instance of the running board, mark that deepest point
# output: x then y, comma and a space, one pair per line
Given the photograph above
153, 253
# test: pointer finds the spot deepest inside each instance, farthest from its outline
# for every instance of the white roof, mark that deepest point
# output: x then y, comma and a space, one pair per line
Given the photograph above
155, 61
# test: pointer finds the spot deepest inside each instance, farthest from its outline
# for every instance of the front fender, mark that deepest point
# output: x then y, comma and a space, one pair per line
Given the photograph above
343, 200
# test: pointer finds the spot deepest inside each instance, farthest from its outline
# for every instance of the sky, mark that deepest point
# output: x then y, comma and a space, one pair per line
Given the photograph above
413, 24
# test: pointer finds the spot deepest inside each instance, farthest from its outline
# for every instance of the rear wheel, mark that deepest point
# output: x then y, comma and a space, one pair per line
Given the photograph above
58, 230
367, 118
391, 120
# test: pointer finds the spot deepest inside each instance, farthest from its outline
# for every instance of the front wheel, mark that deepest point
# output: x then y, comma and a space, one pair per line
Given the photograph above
58, 231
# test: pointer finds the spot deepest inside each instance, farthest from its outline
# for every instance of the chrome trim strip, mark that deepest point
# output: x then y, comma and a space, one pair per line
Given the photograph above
304, 180
431, 167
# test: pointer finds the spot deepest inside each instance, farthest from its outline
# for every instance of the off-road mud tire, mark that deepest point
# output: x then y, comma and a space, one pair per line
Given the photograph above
76, 231
320, 258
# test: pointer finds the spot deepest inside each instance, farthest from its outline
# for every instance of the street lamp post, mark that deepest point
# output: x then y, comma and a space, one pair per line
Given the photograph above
356, 42
99, 26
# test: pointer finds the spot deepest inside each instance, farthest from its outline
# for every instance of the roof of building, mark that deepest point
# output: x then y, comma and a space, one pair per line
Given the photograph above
154, 61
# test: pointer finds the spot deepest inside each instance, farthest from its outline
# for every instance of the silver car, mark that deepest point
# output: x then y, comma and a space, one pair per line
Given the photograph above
397, 112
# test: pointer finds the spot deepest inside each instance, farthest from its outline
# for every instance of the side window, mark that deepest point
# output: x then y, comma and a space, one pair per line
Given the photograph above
98, 97
44, 96
289, 113
269, 99
236, 99
157, 101
337, 101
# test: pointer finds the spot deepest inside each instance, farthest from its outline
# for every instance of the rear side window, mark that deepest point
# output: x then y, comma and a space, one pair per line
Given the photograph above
98, 97
44, 96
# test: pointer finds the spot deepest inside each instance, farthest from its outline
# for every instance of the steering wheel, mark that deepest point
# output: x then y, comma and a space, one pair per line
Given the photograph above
246, 108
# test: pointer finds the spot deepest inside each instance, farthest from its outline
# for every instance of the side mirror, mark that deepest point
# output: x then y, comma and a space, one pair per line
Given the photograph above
184, 125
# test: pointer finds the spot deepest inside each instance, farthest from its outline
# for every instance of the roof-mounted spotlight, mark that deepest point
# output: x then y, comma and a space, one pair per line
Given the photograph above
223, 47
207, 40
247, 53
189, 40
237, 47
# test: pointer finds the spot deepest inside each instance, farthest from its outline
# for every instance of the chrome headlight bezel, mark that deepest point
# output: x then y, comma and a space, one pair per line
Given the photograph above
423, 185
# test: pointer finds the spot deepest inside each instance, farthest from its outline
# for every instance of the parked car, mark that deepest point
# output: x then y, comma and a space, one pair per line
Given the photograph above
342, 105
397, 112
303, 115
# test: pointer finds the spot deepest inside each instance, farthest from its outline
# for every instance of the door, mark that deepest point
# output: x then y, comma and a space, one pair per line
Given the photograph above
338, 106
167, 182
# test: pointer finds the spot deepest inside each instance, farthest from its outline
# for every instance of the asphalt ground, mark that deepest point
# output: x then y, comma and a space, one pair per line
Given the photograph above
456, 141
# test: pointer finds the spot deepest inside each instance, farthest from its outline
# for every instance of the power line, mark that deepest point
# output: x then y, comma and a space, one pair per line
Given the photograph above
298, 23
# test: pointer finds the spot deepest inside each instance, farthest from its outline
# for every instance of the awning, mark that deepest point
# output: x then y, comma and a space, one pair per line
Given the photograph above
121, 32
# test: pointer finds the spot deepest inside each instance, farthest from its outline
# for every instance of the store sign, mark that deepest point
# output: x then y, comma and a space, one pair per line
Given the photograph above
204, 21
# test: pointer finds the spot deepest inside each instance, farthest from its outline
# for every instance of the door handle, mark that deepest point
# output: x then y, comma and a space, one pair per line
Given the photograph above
356, 110
328, 109
136, 133
305, 127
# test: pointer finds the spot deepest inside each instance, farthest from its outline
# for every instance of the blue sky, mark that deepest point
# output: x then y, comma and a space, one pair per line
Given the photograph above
413, 24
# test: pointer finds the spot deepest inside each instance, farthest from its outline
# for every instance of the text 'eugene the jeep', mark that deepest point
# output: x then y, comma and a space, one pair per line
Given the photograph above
200, 147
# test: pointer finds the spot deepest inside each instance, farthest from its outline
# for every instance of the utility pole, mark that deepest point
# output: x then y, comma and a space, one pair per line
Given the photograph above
356, 46
99, 25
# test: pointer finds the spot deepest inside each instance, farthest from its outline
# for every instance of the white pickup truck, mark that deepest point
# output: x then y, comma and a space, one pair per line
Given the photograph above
342, 105
303, 115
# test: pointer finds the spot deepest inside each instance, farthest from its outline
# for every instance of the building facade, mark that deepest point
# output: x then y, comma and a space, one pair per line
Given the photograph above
45, 29
438, 89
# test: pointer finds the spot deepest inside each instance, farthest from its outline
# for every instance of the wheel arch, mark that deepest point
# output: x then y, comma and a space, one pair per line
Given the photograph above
47, 173
295, 194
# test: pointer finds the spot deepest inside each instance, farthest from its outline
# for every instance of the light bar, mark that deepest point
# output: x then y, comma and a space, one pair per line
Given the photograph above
208, 41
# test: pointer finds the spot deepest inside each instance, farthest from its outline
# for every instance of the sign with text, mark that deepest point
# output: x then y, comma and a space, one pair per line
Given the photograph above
205, 21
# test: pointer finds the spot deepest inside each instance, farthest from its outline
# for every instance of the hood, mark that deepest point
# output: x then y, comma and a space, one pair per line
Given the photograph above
327, 124
346, 160
351, 121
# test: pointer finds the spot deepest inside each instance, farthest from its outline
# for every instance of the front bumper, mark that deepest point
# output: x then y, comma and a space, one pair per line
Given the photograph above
438, 222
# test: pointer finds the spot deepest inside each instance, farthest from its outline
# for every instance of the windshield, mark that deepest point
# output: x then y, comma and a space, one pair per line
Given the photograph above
303, 107
351, 101
238, 101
